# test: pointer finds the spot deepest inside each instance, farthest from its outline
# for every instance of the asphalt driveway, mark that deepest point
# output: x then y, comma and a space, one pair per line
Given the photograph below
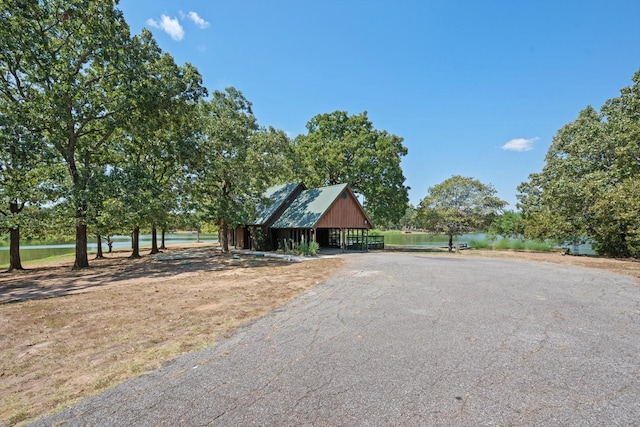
410, 339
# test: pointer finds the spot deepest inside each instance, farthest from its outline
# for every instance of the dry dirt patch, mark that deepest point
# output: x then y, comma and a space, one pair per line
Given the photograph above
630, 267
69, 334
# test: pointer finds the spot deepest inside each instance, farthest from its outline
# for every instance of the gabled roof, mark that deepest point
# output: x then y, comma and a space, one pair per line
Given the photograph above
277, 195
307, 209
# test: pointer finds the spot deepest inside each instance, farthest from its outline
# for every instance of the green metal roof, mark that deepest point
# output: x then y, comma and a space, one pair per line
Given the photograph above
307, 209
277, 195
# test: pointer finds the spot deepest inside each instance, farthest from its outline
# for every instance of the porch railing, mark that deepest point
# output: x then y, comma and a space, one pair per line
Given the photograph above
361, 243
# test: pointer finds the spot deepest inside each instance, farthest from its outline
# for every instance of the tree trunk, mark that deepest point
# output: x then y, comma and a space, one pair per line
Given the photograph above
14, 249
99, 242
224, 236
154, 241
14, 240
450, 242
109, 244
82, 257
162, 246
135, 243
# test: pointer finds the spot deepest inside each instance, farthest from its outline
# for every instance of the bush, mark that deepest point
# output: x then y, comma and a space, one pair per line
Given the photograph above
480, 244
303, 248
314, 247
502, 244
539, 246
517, 245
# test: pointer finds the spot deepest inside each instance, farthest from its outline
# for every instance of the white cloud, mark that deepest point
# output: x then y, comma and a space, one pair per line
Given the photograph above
169, 25
520, 144
198, 20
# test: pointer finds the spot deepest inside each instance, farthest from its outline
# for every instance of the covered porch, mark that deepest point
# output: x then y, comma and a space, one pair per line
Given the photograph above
340, 238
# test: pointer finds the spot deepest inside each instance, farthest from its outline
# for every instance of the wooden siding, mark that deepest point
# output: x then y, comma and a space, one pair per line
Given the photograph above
242, 238
344, 213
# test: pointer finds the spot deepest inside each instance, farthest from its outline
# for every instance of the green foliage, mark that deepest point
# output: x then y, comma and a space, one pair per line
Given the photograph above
377, 232
458, 205
149, 165
589, 187
480, 244
513, 244
303, 248
407, 221
502, 244
508, 224
539, 246
517, 244
231, 161
260, 238
209, 228
355, 153
314, 248
75, 74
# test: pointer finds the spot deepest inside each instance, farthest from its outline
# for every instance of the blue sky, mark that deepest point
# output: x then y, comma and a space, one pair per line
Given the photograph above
475, 88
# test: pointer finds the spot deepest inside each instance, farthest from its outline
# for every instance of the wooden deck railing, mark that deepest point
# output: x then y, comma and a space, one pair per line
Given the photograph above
366, 243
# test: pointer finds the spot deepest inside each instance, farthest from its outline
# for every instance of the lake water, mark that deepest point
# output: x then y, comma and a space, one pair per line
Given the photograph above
34, 251
426, 240
30, 251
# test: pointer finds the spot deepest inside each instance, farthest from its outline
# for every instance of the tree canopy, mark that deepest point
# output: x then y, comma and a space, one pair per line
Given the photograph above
78, 79
341, 148
588, 187
69, 67
233, 161
459, 205
508, 224
104, 133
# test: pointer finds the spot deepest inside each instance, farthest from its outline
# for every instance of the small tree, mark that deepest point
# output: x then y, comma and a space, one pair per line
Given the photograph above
459, 205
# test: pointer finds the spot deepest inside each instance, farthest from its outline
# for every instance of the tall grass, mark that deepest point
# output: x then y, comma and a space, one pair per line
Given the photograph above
517, 245
538, 246
480, 244
512, 244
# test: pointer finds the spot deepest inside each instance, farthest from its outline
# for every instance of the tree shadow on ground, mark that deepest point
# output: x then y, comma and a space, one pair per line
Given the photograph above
50, 282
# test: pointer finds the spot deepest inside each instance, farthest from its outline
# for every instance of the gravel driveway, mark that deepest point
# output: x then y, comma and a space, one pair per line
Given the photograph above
410, 339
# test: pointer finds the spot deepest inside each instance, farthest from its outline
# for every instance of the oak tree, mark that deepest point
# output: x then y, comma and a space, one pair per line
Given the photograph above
233, 161
341, 148
71, 65
459, 205
588, 186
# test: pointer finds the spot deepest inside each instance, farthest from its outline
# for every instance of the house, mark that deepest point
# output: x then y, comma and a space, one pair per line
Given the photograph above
331, 216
